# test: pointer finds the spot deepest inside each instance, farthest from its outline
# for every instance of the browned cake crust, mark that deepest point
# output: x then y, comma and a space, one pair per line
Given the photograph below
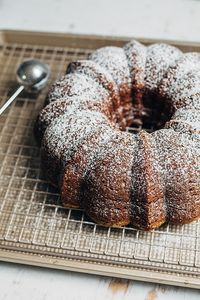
147, 184
81, 161
92, 70
107, 186
114, 61
119, 178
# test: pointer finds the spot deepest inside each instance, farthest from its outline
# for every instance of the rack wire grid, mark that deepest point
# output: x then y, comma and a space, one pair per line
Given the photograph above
32, 219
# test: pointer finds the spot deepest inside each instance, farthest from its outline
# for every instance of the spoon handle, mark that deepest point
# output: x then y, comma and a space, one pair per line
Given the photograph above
11, 99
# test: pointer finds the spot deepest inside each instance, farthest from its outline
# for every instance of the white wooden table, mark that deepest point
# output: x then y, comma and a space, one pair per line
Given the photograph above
172, 19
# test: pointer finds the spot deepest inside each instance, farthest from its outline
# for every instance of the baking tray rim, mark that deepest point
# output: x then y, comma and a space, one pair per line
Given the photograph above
9, 35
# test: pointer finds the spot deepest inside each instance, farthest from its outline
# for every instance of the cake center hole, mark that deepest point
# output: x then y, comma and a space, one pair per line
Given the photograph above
152, 115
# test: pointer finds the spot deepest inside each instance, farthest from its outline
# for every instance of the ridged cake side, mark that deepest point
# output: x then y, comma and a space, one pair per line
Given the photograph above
118, 178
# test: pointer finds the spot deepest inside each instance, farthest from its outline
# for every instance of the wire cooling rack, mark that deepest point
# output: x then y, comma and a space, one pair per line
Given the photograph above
33, 222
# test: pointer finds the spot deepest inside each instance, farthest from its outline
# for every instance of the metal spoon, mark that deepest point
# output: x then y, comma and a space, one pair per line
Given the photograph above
32, 76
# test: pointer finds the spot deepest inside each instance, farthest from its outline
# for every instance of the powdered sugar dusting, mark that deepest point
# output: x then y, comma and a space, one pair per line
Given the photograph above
136, 56
186, 63
64, 135
159, 58
113, 59
107, 186
144, 179
81, 162
76, 85
59, 107
93, 70
179, 159
185, 119
186, 90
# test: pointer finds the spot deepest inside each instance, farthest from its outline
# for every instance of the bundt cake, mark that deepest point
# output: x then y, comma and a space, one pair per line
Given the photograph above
117, 177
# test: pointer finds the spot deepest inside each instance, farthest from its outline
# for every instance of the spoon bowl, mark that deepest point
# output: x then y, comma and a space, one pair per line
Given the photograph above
32, 75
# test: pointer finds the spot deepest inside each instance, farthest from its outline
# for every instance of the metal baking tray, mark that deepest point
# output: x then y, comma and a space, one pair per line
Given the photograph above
34, 228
